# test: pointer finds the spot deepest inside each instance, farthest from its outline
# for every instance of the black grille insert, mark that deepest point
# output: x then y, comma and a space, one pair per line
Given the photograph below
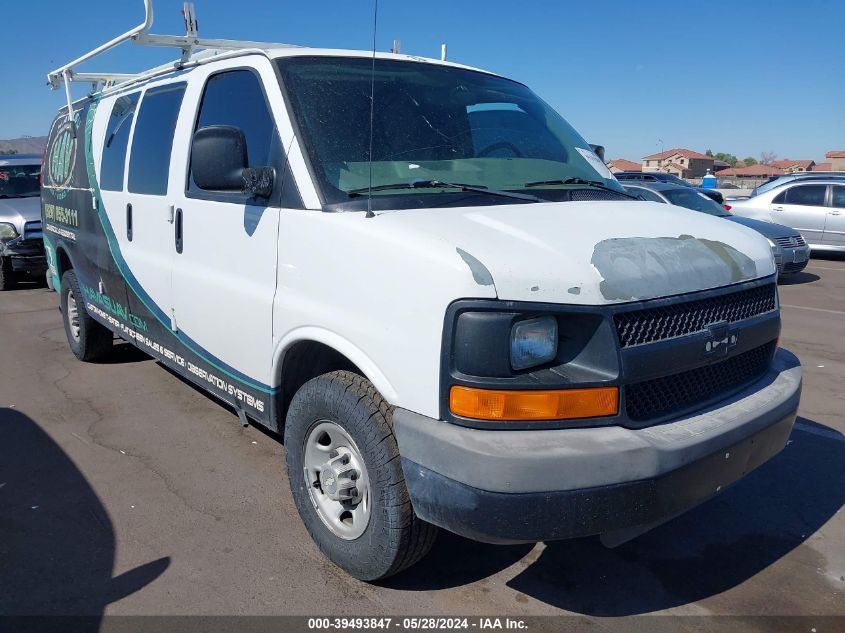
656, 398
679, 319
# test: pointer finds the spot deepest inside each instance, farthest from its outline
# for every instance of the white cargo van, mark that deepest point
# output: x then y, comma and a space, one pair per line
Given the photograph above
426, 280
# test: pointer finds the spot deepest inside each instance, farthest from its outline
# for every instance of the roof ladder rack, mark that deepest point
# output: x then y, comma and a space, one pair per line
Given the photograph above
188, 44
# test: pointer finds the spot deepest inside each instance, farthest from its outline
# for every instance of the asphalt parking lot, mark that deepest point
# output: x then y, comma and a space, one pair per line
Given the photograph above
125, 491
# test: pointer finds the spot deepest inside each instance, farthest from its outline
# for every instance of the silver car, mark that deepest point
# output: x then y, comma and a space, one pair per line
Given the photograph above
21, 244
815, 208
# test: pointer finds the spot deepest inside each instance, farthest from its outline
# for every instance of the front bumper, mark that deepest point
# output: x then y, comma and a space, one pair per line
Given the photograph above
528, 486
792, 260
25, 255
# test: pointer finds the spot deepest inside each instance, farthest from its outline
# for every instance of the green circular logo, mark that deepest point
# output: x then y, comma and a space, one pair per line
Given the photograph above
62, 158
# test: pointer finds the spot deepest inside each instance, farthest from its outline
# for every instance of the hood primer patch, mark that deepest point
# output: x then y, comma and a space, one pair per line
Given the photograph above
636, 268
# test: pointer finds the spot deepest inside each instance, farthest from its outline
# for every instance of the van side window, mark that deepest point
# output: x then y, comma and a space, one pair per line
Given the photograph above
149, 163
113, 162
236, 98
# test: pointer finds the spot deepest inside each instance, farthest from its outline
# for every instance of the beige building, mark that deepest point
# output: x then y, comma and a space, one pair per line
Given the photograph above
837, 159
791, 166
684, 163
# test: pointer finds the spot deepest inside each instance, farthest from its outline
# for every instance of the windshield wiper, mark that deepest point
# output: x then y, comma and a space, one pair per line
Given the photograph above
580, 181
439, 184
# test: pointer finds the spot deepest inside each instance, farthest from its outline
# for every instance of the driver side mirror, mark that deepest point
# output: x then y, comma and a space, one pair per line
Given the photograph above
598, 150
219, 163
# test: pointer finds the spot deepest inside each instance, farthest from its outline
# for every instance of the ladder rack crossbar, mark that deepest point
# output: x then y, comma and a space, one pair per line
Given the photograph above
194, 50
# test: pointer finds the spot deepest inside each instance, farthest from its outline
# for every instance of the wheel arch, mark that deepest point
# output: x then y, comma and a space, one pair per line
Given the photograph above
63, 262
310, 352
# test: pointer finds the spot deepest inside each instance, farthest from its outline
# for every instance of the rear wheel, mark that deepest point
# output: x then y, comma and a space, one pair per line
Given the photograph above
88, 340
346, 478
8, 281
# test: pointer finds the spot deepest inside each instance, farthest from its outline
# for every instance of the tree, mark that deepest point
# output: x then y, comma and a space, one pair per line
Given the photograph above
749, 161
709, 152
767, 158
7, 152
730, 159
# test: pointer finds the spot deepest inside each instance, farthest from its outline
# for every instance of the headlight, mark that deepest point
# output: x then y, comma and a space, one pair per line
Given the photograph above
533, 342
7, 231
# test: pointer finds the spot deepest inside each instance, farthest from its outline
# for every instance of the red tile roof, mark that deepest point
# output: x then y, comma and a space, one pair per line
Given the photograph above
754, 170
836, 153
788, 162
625, 165
686, 153
680, 168
821, 167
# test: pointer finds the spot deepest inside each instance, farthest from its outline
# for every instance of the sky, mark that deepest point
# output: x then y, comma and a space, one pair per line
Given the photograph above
742, 77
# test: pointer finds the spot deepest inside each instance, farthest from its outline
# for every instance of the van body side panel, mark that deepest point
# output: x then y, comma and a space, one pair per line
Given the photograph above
70, 220
80, 220
224, 276
376, 294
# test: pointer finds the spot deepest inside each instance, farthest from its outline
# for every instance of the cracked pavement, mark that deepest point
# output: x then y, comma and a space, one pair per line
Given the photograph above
124, 490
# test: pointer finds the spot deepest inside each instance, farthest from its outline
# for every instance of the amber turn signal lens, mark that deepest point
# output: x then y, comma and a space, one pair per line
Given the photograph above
560, 404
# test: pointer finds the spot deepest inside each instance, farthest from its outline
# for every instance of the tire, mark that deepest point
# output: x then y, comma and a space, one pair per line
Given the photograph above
8, 281
88, 340
356, 419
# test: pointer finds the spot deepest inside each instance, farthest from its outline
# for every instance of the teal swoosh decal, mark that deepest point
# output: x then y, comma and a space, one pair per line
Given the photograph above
133, 283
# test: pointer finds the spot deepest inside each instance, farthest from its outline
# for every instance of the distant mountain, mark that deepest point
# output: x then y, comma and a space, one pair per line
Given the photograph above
25, 145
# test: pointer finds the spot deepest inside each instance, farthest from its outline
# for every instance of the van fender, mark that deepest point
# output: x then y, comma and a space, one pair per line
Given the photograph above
341, 345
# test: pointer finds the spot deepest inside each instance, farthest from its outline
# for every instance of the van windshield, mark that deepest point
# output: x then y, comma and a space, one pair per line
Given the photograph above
430, 123
19, 181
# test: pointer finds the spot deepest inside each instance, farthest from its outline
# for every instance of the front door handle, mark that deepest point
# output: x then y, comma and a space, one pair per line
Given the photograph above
177, 232
777, 208
836, 212
129, 222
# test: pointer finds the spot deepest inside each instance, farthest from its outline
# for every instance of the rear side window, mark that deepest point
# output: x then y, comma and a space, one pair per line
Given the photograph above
839, 197
152, 142
808, 195
117, 138
236, 98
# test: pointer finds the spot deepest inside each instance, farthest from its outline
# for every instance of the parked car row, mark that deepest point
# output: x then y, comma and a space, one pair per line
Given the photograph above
672, 179
21, 243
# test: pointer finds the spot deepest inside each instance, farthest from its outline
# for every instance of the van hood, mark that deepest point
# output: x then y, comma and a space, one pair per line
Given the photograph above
17, 211
591, 253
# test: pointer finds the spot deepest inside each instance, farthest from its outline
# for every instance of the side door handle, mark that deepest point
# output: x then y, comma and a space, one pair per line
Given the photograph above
177, 231
129, 222
777, 208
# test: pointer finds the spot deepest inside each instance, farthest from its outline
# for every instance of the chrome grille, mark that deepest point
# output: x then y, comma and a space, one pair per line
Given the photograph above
32, 230
679, 319
794, 241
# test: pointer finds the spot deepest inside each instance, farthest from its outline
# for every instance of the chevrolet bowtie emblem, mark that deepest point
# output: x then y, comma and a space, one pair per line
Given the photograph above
721, 339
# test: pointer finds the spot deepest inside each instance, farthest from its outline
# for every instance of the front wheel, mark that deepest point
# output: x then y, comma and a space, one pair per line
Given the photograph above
346, 478
88, 340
